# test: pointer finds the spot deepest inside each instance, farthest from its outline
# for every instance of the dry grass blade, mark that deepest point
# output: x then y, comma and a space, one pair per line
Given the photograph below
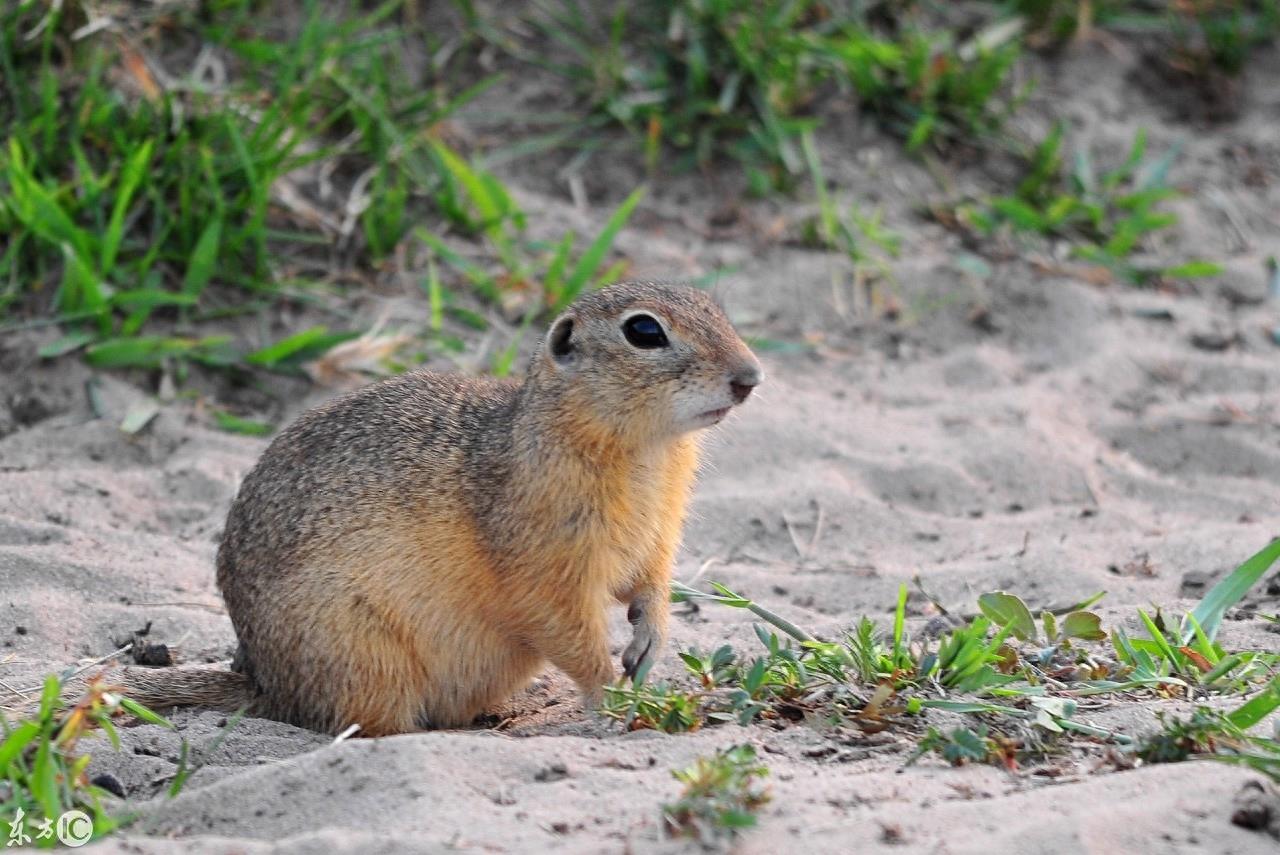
352, 361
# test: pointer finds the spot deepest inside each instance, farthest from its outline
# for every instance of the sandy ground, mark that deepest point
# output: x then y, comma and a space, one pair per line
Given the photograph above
1073, 441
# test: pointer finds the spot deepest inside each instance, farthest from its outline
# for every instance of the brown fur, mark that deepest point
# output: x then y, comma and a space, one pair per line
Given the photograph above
413, 553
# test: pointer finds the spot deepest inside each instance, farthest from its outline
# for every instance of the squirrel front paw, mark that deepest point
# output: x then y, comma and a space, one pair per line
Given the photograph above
646, 639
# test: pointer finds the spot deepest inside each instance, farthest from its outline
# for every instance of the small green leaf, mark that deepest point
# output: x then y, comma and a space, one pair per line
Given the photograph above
67, 344
112, 734
488, 204
1007, 610
204, 257
144, 352
1050, 624
921, 131
737, 819
82, 290
1084, 625
130, 177
969, 707
1159, 642
235, 424
1019, 213
1258, 707
139, 416
150, 298
147, 715
1192, 270
49, 696
287, 347
15, 742
44, 779
435, 296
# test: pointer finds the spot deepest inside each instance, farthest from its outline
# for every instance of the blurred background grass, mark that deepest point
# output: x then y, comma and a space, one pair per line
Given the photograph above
166, 166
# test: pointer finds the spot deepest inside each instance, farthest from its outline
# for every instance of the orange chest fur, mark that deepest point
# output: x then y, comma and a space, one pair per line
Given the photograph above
619, 517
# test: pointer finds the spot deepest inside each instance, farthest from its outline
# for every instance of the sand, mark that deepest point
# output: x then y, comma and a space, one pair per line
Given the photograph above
1073, 439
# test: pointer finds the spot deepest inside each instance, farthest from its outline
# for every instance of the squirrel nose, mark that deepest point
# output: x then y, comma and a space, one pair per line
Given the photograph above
743, 381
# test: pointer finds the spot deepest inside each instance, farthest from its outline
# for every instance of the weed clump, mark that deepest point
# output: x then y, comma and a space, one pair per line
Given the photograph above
42, 774
1024, 677
738, 79
720, 797
1107, 215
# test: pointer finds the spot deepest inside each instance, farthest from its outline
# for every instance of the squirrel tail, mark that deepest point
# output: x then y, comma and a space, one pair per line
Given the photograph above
159, 688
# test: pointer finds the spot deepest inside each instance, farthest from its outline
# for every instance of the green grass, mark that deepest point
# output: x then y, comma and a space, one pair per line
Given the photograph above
1052, 22
147, 210
551, 275
121, 206
139, 207
42, 770
1219, 735
1108, 215
1202, 38
743, 80
657, 706
862, 239
959, 746
721, 794
1021, 675
1220, 35
926, 87
703, 78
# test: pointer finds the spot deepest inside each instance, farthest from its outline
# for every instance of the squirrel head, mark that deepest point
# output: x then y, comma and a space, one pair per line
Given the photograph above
646, 362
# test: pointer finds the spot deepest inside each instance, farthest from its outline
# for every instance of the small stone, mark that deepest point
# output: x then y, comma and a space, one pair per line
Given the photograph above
554, 772
110, 783
1257, 808
1215, 342
1195, 580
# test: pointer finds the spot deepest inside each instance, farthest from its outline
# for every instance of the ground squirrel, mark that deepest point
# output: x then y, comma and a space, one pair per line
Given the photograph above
413, 553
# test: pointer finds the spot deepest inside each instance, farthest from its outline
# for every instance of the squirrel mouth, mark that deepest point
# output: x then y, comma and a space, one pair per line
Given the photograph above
714, 416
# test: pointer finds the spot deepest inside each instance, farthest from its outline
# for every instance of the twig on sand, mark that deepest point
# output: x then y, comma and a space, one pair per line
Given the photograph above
805, 551
706, 565
19, 692
1026, 542
26, 693
817, 529
795, 540
85, 667
937, 604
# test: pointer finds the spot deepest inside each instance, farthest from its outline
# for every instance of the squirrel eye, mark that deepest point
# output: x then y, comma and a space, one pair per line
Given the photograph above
645, 332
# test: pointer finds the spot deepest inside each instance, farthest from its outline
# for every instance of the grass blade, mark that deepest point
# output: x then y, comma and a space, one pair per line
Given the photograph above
590, 261
274, 354
67, 344
17, 740
1257, 708
1229, 591
203, 257
235, 424
130, 178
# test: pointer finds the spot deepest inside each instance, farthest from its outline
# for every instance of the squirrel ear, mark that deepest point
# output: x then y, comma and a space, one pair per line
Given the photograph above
560, 341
